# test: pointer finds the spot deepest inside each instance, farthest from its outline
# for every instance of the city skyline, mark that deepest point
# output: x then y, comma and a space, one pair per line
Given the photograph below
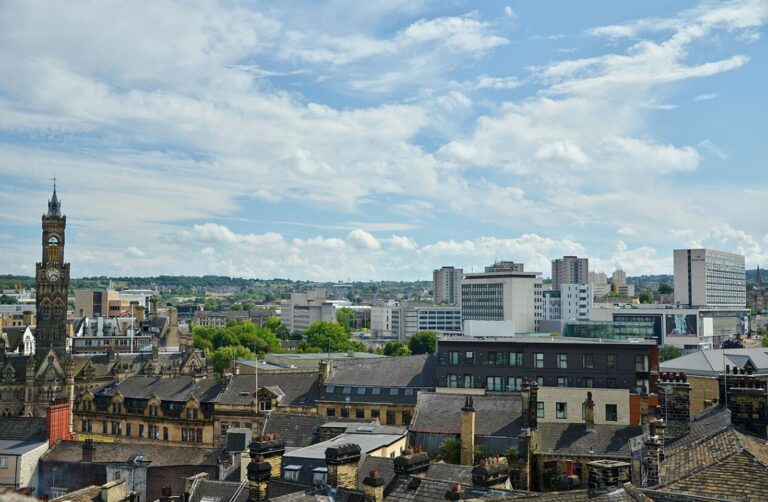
280, 143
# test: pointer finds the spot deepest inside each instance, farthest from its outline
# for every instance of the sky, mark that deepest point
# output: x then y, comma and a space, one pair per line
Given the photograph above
335, 141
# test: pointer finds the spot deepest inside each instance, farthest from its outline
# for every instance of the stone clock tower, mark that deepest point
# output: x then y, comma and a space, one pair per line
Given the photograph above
52, 281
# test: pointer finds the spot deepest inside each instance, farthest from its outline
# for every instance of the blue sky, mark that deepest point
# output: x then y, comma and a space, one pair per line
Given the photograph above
380, 140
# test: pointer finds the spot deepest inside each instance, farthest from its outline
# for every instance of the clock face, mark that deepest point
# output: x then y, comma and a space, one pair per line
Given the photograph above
52, 274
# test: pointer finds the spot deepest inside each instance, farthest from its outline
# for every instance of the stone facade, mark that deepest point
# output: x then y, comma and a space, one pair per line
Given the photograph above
675, 403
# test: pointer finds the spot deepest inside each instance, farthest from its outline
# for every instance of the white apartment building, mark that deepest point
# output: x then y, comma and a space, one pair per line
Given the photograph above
504, 296
446, 283
302, 309
551, 305
709, 278
569, 270
405, 320
576, 300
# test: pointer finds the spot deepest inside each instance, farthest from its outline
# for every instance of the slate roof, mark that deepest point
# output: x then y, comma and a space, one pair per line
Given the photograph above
711, 362
24, 428
409, 371
495, 415
728, 464
299, 389
296, 430
13, 336
449, 472
87, 494
574, 439
385, 466
155, 455
167, 389
434, 490
626, 493
240, 390
702, 426
224, 491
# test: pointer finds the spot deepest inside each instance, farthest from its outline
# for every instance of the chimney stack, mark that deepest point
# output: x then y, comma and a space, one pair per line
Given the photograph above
411, 464
491, 473
530, 395
268, 449
675, 401
455, 493
653, 451
342, 462
88, 449
373, 487
138, 313
153, 307
28, 318
589, 404
258, 480
468, 432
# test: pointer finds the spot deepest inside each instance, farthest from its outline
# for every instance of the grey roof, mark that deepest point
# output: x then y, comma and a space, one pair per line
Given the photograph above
14, 336
410, 371
702, 426
712, 362
224, 491
24, 428
296, 430
241, 389
367, 443
449, 472
299, 389
16, 447
385, 466
180, 388
434, 490
538, 340
495, 415
156, 454
260, 364
574, 439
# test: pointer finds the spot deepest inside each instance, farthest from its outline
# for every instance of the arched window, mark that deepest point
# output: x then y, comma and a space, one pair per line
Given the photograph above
45, 310
57, 311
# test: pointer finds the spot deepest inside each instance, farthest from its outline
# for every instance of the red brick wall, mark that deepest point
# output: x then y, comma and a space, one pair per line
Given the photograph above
58, 421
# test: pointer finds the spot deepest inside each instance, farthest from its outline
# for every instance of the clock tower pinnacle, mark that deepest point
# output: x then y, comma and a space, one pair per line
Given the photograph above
52, 280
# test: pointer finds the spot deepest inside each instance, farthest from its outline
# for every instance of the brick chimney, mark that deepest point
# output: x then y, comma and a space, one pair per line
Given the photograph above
468, 432
491, 473
258, 480
455, 493
268, 449
342, 462
747, 397
58, 421
675, 402
589, 405
138, 313
153, 307
88, 449
411, 464
530, 395
373, 487
28, 321
653, 451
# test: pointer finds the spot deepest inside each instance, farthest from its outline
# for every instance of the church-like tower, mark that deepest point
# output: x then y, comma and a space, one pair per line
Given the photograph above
52, 281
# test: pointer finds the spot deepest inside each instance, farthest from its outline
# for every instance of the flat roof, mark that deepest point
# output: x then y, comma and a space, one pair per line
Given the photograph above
16, 447
367, 443
333, 355
556, 340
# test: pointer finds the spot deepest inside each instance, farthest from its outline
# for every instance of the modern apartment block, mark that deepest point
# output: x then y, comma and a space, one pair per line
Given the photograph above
500, 364
575, 300
302, 309
709, 278
402, 321
599, 282
446, 283
503, 296
505, 266
569, 270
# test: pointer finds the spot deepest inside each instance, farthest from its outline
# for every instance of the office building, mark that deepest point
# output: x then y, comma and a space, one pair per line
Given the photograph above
569, 270
575, 300
446, 284
709, 278
505, 266
404, 320
599, 282
302, 309
503, 296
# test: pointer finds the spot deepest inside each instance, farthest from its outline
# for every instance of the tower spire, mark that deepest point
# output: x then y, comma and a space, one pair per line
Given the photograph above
758, 278
54, 206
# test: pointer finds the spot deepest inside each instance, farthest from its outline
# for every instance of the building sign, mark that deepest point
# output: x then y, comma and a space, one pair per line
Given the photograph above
96, 438
681, 325
743, 325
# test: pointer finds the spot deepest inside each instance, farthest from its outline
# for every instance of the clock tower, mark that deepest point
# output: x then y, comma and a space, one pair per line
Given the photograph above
52, 281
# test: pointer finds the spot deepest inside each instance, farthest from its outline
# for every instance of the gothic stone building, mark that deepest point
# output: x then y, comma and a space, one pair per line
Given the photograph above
30, 381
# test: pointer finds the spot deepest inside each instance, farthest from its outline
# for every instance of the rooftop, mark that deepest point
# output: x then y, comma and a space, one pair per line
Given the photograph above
408, 371
108, 453
333, 355
496, 415
575, 439
16, 447
367, 443
539, 340
712, 362
298, 389
180, 388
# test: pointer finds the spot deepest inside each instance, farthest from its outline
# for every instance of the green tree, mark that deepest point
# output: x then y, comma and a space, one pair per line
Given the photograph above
396, 349
423, 342
7, 300
668, 352
450, 451
645, 297
275, 326
345, 316
765, 341
328, 337
665, 289
222, 357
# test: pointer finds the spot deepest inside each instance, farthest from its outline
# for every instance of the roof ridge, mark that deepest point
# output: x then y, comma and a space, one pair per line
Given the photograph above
238, 491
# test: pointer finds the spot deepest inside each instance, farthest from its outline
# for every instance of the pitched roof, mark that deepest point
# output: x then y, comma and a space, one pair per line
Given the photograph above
449, 472
24, 428
223, 491
409, 371
574, 439
385, 466
296, 430
179, 388
154, 454
495, 415
702, 426
299, 389
87, 494
240, 389
712, 362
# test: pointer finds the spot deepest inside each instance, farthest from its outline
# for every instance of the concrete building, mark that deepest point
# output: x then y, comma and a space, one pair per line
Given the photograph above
551, 305
709, 278
385, 320
504, 296
575, 300
209, 319
298, 312
404, 320
446, 283
599, 282
618, 279
569, 270
505, 266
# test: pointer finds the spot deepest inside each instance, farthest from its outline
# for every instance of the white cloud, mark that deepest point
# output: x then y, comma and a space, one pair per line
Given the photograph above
705, 97
509, 12
363, 240
712, 148
403, 242
135, 252
487, 82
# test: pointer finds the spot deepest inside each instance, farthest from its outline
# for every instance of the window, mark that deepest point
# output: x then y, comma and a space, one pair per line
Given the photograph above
516, 359
319, 475
165, 433
611, 382
451, 381
291, 472
611, 413
346, 390
265, 404
562, 381
3, 462
116, 408
641, 364
345, 412
359, 413
154, 410
409, 391
496, 358
376, 391
469, 357
539, 409
583, 411
562, 361
407, 418
375, 414
54, 492
393, 391
154, 432
589, 382
538, 360
588, 361
561, 411
493, 383
104, 427
330, 412
540, 381
390, 417
453, 358
128, 429
192, 414
224, 427
469, 381
360, 391
514, 384
610, 361
641, 384
330, 389
141, 430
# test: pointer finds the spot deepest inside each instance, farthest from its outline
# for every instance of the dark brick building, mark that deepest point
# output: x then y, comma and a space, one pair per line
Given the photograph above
500, 364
